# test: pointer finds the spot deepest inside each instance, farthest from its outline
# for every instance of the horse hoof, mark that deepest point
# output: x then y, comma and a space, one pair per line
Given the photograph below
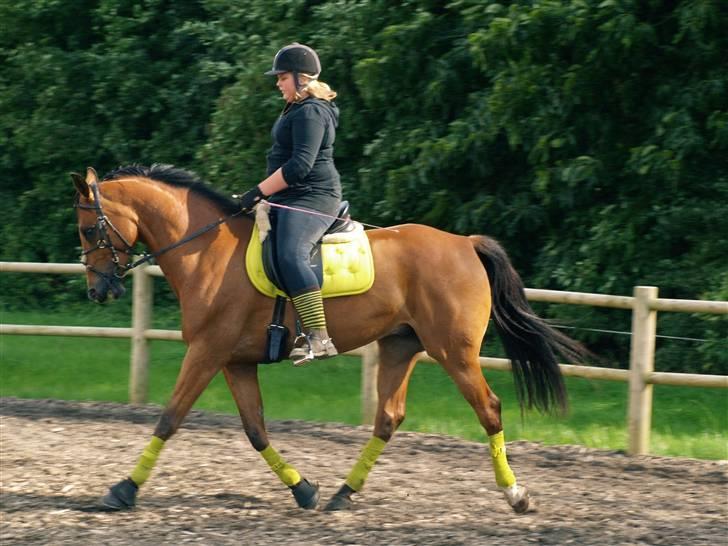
121, 496
306, 494
341, 500
518, 497
338, 502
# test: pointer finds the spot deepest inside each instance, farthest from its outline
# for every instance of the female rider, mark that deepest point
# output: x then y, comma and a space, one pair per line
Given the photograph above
301, 174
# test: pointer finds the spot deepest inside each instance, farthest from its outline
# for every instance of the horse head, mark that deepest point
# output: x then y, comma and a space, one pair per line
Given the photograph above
108, 231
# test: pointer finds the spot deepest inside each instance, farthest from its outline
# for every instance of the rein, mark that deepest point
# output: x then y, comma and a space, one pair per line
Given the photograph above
316, 213
103, 224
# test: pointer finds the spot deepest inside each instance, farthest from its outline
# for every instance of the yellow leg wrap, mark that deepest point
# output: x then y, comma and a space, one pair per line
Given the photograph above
146, 463
366, 461
504, 476
283, 470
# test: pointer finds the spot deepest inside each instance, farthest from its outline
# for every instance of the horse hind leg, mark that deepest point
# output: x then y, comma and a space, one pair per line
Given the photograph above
464, 368
242, 379
396, 362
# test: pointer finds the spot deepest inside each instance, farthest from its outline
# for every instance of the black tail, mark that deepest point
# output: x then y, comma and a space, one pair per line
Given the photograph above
529, 341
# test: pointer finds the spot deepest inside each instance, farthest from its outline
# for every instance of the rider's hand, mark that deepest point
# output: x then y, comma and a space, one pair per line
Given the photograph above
251, 198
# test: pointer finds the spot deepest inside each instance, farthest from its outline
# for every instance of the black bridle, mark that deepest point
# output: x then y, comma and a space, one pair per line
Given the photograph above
104, 224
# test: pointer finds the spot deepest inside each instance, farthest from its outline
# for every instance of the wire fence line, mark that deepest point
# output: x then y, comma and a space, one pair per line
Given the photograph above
622, 333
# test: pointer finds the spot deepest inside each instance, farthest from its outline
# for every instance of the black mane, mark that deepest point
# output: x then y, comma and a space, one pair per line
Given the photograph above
169, 174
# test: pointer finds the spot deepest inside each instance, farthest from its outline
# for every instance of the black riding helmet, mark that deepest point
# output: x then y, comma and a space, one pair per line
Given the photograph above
296, 58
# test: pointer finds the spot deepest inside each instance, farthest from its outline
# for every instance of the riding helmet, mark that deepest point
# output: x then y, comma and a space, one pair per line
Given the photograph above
297, 58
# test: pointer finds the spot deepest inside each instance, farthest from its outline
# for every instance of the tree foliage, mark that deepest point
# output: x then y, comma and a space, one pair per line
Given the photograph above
589, 136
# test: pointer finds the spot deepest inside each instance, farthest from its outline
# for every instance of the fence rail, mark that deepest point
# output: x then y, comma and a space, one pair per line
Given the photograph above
641, 376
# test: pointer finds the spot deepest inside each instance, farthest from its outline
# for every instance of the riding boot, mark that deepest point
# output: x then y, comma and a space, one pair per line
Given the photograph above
314, 344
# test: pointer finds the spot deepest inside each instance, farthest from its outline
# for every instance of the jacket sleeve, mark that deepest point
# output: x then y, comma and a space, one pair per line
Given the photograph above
307, 132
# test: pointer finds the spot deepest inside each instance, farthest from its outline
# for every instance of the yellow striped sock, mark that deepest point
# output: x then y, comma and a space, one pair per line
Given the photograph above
310, 308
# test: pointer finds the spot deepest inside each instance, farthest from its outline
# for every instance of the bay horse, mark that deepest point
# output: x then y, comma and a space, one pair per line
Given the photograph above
433, 291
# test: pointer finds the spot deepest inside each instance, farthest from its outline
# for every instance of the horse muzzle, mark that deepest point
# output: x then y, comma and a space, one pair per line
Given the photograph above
99, 292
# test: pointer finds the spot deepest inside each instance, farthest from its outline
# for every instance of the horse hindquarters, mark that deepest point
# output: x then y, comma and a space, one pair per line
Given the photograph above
451, 306
446, 302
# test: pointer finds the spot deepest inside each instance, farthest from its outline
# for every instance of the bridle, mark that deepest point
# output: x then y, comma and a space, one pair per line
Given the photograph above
104, 225
103, 240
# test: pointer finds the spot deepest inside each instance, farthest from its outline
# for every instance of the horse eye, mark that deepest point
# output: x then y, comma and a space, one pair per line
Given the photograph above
89, 233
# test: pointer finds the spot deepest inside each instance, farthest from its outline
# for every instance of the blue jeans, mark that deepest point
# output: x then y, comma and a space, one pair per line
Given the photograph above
296, 234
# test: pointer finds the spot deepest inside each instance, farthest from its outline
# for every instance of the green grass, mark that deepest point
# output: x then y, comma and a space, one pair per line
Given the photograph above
687, 422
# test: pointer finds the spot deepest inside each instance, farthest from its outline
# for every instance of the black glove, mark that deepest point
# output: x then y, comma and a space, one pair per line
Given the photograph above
251, 198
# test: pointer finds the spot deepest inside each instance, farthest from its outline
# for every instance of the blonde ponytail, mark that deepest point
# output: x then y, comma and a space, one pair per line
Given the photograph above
315, 88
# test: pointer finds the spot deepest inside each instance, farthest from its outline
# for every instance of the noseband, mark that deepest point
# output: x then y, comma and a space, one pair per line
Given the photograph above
104, 224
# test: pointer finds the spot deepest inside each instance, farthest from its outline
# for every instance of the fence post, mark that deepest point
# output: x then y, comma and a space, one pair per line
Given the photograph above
641, 364
369, 397
142, 300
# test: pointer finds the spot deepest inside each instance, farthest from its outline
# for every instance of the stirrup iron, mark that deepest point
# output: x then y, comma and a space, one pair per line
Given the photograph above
300, 342
314, 345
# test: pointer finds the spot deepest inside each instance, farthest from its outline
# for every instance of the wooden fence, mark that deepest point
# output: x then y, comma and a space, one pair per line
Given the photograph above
641, 376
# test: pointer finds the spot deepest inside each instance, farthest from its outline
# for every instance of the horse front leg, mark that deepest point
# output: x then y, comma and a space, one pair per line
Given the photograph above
242, 378
397, 360
198, 369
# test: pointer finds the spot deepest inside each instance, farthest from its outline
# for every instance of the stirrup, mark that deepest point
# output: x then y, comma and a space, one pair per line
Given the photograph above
302, 352
308, 347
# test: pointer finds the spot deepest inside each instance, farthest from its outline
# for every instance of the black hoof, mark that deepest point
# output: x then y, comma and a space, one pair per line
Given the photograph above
122, 496
341, 500
306, 494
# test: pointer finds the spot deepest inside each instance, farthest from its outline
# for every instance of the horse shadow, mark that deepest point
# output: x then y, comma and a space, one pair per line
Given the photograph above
14, 502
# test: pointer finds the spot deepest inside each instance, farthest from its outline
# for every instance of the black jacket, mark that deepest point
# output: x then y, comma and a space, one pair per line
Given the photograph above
303, 145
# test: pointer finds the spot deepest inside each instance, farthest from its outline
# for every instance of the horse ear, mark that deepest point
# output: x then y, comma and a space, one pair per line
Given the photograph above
81, 185
91, 176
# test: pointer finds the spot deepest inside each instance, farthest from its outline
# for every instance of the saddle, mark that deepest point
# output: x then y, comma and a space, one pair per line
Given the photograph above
343, 224
342, 260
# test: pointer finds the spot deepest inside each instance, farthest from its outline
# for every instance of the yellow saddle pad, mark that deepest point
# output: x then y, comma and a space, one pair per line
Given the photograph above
348, 267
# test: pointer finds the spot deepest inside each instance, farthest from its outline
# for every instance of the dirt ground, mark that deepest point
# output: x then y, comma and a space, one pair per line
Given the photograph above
210, 487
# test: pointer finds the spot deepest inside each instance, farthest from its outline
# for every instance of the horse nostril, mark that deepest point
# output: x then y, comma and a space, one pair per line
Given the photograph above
91, 293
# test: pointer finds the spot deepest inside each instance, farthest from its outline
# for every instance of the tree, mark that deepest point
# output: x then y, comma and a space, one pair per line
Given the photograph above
589, 136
